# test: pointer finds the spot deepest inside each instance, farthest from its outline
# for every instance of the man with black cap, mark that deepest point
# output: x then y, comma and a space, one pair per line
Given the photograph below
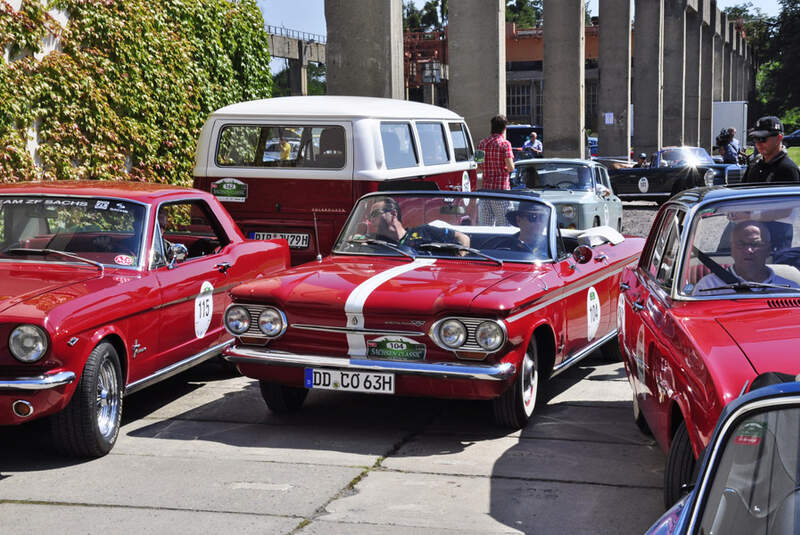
773, 163
642, 162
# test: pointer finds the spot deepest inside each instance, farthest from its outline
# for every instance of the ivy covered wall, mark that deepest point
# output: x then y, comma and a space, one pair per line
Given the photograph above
128, 91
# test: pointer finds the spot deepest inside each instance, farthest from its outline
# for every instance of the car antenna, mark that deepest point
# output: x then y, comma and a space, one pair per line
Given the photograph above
316, 236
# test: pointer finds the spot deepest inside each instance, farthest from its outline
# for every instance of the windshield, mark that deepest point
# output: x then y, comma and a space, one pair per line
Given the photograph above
553, 175
685, 156
756, 485
744, 247
512, 228
108, 231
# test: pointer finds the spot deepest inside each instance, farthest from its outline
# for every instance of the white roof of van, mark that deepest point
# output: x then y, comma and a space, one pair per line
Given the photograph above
337, 107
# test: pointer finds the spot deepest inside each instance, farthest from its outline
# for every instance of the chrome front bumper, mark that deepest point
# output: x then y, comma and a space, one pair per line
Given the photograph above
41, 382
490, 372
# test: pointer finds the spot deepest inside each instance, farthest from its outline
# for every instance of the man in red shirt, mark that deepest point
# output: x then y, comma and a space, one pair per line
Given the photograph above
498, 162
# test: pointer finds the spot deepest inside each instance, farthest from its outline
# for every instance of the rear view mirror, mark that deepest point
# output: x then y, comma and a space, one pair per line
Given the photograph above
582, 254
480, 155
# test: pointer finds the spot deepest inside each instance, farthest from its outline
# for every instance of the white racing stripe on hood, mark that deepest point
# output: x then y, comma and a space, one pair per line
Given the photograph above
354, 307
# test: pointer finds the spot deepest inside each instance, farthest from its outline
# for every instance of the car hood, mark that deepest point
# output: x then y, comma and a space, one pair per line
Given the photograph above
766, 337
40, 286
423, 287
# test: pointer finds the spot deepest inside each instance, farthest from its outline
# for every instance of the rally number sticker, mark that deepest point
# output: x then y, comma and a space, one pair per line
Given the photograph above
644, 185
203, 309
592, 312
638, 356
621, 317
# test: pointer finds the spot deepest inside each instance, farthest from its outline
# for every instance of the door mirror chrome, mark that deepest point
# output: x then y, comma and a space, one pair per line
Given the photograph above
582, 254
177, 253
602, 191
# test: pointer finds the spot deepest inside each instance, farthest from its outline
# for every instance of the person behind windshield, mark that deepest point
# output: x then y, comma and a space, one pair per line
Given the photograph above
531, 219
642, 161
750, 247
386, 220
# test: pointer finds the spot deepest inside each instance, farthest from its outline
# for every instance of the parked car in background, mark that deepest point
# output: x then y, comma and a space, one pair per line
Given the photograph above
518, 134
792, 140
672, 169
435, 294
579, 189
750, 478
347, 146
712, 304
109, 287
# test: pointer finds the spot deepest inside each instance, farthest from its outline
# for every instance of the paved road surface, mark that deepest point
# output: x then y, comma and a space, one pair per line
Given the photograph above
200, 454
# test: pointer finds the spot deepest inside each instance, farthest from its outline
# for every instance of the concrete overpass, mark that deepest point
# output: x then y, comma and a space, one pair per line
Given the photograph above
299, 48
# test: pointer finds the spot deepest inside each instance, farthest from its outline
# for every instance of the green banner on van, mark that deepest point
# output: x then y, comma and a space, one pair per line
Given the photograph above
229, 190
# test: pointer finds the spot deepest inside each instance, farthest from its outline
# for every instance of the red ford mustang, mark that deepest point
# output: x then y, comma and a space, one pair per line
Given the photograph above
444, 294
108, 287
712, 304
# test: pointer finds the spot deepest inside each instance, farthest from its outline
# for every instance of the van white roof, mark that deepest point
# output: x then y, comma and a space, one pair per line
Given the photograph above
336, 107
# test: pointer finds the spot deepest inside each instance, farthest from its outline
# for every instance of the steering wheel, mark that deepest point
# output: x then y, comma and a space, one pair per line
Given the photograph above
507, 243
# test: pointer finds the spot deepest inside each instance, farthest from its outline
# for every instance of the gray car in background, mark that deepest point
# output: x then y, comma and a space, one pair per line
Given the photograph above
580, 190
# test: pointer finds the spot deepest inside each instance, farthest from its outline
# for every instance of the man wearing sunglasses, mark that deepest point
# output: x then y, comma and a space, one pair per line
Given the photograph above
773, 163
531, 220
386, 221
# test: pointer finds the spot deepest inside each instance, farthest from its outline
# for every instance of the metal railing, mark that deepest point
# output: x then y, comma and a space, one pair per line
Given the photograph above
296, 34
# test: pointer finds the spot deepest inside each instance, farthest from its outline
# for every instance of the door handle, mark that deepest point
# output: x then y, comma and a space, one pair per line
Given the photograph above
223, 267
601, 257
637, 305
624, 286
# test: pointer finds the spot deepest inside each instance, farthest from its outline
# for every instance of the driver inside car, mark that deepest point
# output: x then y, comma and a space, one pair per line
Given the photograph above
750, 246
386, 221
531, 219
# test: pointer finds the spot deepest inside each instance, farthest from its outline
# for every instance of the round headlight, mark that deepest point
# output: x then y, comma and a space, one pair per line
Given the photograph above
568, 211
489, 335
237, 320
271, 322
28, 343
708, 178
452, 333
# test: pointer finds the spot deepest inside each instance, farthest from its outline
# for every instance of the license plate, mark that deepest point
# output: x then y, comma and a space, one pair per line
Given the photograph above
355, 381
296, 240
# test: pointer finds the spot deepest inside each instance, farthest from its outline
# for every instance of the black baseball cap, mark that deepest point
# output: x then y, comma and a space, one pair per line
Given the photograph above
767, 126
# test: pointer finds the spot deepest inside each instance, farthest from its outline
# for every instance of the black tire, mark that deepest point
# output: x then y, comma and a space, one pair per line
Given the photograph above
515, 406
281, 398
639, 419
680, 470
610, 351
89, 425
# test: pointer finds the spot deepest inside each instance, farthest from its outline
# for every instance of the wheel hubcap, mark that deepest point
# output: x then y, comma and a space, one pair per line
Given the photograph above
107, 401
528, 377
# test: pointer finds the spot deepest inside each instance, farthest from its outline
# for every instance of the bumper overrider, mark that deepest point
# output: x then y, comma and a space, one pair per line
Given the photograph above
442, 370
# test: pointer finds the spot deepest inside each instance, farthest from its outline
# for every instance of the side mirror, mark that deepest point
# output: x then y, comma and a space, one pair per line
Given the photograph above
602, 191
177, 253
480, 156
582, 254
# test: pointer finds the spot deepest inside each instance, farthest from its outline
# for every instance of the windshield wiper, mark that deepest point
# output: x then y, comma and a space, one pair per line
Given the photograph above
747, 285
373, 241
20, 250
459, 247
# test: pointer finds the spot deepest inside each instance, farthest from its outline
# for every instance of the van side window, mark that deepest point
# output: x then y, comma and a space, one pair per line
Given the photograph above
461, 145
433, 143
299, 146
398, 145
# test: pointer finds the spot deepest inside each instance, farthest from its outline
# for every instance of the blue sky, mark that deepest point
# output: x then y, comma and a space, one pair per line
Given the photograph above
309, 15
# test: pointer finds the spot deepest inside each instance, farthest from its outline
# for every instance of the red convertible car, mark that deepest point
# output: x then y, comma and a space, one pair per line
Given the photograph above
713, 303
108, 287
443, 294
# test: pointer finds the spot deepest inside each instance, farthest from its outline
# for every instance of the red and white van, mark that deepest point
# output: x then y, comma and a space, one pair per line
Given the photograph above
293, 167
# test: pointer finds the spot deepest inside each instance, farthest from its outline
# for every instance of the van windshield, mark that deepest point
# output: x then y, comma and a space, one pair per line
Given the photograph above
300, 146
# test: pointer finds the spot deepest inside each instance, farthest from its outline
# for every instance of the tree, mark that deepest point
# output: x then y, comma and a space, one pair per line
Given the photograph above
432, 16
524, 13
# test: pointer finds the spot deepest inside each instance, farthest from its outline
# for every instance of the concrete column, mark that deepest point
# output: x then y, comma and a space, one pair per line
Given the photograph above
365, 48
648, 75
298, 72
707, 76
476, 50
694, 65
614, 93
719, 55
728, 74
674, 70
564, 53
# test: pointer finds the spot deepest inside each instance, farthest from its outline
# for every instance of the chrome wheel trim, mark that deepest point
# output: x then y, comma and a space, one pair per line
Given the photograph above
107, 399
529, 382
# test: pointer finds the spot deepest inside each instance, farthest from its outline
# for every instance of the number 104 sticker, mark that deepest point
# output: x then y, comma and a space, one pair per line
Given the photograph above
592, 312
203, 309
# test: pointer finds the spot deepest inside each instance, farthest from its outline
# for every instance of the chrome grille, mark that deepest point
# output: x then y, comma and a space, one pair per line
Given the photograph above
471, 344
253, 331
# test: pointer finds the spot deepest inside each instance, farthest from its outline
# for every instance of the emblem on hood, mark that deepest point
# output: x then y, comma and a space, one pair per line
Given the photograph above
412, 323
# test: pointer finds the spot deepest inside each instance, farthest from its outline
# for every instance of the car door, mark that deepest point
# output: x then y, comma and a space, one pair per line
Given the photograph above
612, 202
194, 289
656, 328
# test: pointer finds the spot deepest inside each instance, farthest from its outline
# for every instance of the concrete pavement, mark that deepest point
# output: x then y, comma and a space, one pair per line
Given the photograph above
200, 453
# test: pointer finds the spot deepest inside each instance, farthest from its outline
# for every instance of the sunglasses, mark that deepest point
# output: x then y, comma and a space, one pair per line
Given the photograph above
530, 216
379, 211
761, 139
